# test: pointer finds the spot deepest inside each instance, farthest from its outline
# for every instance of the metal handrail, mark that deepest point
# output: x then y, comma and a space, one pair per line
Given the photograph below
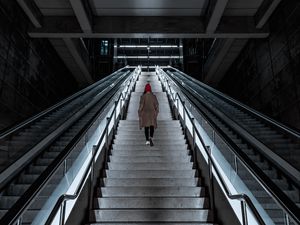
265, 118
291, 212
52, 108
211, 162
65, 197
290, 171
292, 176
16, 171
16, 214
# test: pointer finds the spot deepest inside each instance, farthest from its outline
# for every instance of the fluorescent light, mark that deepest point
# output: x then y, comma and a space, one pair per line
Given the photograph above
145, 57
151, 46
133, 46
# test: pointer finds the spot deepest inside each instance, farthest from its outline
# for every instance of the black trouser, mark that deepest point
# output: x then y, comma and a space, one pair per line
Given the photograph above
147, 132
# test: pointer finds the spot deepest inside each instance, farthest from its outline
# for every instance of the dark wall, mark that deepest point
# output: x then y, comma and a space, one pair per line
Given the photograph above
266, 75
32, 76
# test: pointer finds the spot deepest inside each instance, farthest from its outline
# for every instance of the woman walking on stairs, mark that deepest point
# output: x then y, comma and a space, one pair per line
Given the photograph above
148, 111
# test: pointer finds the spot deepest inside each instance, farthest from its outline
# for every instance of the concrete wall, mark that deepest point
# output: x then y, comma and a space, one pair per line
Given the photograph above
32, 76
266, 75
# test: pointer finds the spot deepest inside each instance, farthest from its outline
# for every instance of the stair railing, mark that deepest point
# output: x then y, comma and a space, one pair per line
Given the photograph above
289, 131
52, 108
213, 169
110, 126
291, 211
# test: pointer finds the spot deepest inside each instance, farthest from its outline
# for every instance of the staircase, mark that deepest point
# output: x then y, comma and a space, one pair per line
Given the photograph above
150, 185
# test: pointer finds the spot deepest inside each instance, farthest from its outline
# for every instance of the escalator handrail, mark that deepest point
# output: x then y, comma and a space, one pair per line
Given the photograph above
30, 120
65, 197
285, 203
7, 176
294, 177
257, 114
12, 216
240, 196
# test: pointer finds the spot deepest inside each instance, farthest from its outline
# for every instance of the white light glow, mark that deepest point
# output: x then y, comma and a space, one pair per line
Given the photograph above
146, 46
145, 57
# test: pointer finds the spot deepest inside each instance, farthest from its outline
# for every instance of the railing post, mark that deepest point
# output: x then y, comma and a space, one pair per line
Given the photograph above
65, 167
244, 213
62, 213
115, 117
235, 164
211, 181
286, 219
106, 141
194, 138
121, 109
213, 137
184, 116
19, 221
177, 111
91, 183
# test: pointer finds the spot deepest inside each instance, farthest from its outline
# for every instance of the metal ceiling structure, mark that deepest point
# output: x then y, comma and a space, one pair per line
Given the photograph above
66, 20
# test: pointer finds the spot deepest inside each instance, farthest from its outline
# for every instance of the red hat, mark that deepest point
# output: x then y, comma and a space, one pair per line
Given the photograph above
148, 88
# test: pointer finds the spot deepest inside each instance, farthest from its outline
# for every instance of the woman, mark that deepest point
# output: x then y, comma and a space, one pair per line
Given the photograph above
148, 112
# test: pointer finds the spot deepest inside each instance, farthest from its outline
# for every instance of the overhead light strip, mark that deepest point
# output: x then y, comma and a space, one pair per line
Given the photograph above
146, 46
146, 57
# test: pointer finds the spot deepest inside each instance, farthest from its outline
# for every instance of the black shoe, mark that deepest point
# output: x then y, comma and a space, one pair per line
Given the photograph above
151, 142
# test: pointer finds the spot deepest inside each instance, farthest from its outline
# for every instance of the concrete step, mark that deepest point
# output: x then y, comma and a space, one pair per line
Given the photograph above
141, 136
199, 215
165, 147
175, 191
157, 133
148, 182
157, 223
150, 166
151, 203
141, 141
159, 126
150, 152
150, 159
151, 174
136, 122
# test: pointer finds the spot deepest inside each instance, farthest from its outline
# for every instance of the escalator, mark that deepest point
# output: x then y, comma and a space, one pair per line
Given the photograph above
34, 151
176, 181
272, 149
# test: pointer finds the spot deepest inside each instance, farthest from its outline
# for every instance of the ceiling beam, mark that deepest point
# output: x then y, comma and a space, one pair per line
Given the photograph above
83, 15
214, 14
32, 11
265, 11
145, 27
221, 57
75, 50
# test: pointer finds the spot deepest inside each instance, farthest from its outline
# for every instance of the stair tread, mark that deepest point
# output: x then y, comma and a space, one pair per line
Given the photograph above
150, 181
153, 191
150, 203
151, 174
151, 215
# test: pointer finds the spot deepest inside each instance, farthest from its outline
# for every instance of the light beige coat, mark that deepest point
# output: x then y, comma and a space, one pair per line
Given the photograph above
148, 110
